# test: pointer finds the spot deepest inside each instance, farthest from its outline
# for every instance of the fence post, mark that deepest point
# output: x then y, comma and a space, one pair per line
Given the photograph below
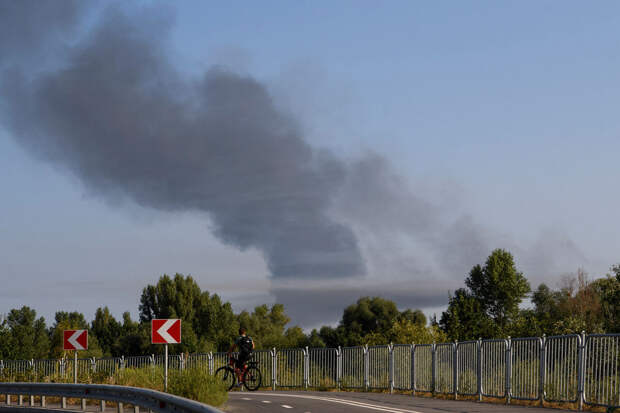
122, 367
93, 365
210, 362
274, 368
391, 367
508, 369
433, 368
455, 371
1, 367
543, 360
306, 367
479, 371
581, 370
339, 367
413, 369
366, 378
153, 360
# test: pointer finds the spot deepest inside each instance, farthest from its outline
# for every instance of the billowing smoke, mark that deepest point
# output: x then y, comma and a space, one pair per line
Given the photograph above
112, 108
120, 117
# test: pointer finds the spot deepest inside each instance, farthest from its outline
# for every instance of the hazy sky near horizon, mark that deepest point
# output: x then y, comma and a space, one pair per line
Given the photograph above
437, 131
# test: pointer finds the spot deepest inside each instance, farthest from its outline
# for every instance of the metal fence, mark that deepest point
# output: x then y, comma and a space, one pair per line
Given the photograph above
583, 369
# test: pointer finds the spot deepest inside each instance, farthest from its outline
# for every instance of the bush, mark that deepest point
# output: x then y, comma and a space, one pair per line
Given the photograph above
197, 384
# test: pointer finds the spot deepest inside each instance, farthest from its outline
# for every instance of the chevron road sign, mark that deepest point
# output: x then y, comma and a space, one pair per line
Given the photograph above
75, 340
166, 331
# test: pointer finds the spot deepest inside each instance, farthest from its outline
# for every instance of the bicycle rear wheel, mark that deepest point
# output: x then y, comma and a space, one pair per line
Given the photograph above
252, 378
226, 375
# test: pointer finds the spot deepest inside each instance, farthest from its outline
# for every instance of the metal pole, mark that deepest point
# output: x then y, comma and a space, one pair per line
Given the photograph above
455, 370
166, 368
543, 356
391, 366
75, 366
274, 368
306, 367
433, 368
581, 371
413, 369
508, 369
479, 370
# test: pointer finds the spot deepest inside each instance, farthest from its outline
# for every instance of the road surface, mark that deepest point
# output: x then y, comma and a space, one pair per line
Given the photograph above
351, 402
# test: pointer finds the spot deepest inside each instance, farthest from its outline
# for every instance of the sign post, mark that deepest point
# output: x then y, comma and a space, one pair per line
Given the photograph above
75, 340
166, 331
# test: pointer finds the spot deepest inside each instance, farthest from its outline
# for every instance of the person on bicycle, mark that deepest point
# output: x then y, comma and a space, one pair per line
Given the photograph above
245, 345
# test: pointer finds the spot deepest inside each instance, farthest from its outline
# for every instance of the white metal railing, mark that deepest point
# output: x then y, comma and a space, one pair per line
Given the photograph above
579, 368
149, 399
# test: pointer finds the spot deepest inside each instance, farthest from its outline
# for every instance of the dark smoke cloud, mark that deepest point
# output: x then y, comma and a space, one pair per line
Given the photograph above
26, 26
116, 113
120, 117
314, 306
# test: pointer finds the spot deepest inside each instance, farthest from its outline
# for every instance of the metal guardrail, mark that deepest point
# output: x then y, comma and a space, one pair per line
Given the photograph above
150, 399
582, 369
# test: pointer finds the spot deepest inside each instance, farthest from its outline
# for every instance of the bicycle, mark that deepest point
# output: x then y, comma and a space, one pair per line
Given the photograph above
251, 376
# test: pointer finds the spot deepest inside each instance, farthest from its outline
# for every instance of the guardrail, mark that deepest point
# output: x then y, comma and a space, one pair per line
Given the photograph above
578, 368
149, 399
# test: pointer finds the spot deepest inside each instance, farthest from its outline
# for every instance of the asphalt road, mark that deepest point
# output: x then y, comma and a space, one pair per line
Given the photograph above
340, 402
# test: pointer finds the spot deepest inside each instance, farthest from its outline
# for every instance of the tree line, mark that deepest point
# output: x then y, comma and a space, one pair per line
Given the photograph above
490, 305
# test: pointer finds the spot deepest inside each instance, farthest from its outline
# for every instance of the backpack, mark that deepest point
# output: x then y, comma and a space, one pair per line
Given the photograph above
245, 344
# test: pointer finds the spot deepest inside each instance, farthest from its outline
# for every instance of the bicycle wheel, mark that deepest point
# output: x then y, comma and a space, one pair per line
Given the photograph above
252, 378
226, 375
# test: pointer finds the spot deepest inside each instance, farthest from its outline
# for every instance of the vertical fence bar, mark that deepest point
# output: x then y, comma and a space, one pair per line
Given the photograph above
274, 369
479, 370
433, 368
508, 369
306, 368
413, 369
455, 370
543, 361
391, 367
581, 372
366, 368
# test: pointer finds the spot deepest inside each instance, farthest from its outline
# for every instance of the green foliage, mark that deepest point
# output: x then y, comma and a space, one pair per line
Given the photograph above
197, 384
207, 323
465, 318
27, 335
71, 321
367, 315
490, 304
107, 330
499, 287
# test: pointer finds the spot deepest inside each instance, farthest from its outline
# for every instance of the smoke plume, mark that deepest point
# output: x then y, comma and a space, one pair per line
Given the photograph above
120, 117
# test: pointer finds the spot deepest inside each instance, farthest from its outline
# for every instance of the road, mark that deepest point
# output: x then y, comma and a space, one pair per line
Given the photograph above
350, 402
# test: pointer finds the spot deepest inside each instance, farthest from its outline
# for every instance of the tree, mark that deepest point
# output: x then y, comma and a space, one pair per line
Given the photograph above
71, 321
106, 329
466, 318
367, 315
266, 325
28, 334
609, 293
178, 297
499, 287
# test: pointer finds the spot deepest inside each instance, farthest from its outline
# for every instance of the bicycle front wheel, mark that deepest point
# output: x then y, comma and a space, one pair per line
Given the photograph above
225, 375
252, 378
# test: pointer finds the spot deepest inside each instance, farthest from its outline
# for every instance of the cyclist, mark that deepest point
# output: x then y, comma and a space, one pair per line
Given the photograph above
245, 345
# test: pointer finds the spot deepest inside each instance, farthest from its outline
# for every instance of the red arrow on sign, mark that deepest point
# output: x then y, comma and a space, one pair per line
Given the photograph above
75, 340
166, 331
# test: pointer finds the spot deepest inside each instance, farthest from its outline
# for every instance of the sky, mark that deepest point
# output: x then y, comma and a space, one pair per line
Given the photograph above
307, 153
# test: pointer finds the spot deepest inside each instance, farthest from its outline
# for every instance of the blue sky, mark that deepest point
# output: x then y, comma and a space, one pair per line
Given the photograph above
505, 112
